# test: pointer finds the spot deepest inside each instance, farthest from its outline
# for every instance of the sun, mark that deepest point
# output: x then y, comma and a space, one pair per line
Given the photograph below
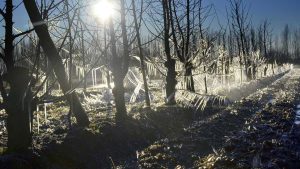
103, 10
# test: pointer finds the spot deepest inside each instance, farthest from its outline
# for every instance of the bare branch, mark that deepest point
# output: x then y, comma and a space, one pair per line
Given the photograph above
1, 56
23, 33
2, 13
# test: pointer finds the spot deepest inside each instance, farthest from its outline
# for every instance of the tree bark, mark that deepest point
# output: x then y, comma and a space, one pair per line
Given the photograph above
15, 105
170, 63
120, 65
51, 52
118, 90
171, 82
9, 38
185, 55
188, 75
18, 107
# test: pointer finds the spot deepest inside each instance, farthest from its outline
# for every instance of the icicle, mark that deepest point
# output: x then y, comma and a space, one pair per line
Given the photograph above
45, 112
81, 73
93, 78
45, 86
67, 68
38, 123
76, 71
135, 93
103, 75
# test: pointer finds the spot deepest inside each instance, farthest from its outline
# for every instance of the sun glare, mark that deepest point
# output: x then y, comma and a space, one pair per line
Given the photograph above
103, 10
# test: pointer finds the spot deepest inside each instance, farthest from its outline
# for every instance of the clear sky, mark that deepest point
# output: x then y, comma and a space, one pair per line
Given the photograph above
278, 12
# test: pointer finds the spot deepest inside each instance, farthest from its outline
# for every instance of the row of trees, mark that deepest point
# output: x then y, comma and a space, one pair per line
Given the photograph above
288, 46
178, 33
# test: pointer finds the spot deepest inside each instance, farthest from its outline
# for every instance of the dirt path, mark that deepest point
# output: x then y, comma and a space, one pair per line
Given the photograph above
205, 137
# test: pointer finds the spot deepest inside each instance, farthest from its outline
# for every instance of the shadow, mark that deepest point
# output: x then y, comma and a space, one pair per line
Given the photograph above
84, 149
113, 145
105, 145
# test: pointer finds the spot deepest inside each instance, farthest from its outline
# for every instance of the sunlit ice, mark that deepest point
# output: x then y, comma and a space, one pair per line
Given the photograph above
103, 9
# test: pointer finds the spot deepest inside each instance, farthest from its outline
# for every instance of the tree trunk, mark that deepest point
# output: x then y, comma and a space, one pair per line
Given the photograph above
254, 71
9, 46
227, 69
51, 52
248, 70
18, 107
170, 63
118, 90
188, 78
120, 66
70, 60
265, 70
18, 126
241, 69
171, 81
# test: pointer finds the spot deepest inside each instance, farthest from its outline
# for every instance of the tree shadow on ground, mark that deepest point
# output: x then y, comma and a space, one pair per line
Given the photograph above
113, 145
105, 145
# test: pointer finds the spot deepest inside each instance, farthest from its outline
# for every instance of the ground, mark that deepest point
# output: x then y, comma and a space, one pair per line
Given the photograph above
257, 131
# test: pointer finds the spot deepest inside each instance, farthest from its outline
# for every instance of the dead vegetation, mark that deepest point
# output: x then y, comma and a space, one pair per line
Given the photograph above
174, 136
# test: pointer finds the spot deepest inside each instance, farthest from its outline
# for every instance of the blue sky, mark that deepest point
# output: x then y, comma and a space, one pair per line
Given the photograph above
278, 12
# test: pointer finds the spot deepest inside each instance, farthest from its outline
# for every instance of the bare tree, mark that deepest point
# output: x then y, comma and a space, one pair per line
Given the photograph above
18, 100
141, 55
285, 41
296, 44
239, 15
170, 62
120, 65
181, 38
265, 34
55, 60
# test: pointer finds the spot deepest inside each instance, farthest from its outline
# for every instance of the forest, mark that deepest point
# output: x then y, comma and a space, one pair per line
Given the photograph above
147, 84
